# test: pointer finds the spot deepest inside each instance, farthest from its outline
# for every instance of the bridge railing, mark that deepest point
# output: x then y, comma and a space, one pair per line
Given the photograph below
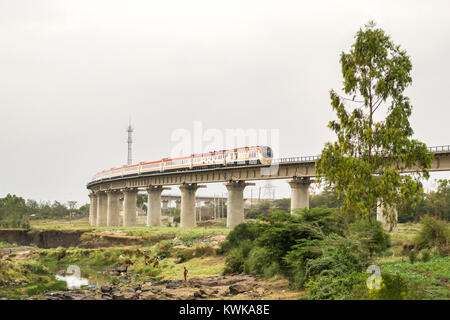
439, 149
435, 149
295, 159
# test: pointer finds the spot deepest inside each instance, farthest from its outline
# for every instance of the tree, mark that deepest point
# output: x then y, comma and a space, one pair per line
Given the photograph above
13, 212
364, 165
327, 198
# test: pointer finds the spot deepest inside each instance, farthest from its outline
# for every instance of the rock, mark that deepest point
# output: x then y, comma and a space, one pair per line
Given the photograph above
148, 295
146, 287
122, 295
106, 288
174, 284
199, 294
67, 296
240, 288
208, 291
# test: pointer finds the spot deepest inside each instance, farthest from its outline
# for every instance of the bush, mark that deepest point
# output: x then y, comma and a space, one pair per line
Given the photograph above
392, 287
426, 256
334, 288
412, 256
433, 232
332, 257
236, 257
242, 232
371, 236
258, 260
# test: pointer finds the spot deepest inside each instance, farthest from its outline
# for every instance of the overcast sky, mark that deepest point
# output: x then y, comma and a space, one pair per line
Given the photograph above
72, 73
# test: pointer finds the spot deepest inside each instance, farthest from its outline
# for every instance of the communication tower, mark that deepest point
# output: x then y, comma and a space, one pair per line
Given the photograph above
130, 141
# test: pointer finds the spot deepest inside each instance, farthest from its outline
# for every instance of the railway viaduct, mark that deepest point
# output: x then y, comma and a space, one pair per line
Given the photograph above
299, 171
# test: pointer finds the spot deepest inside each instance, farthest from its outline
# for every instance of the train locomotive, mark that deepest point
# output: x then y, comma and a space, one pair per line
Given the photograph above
224, 158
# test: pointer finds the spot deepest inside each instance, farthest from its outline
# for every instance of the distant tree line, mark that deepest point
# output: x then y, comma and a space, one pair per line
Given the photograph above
15, 212
435, 204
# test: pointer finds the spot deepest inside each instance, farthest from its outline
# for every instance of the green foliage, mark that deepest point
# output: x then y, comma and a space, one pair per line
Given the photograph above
257, 261
237, 256
425, 255
370, 235
330, 287
303, 247
434, 203
164, 248
244, 231
282, 204
412, 256
333, 256
433, 233
328, 198
176, 215
13, 212
364, 165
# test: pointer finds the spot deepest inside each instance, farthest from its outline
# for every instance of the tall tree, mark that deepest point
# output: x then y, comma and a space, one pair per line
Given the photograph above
364, 165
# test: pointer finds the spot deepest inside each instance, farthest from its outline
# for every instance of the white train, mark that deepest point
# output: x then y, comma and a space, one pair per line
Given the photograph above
233, 157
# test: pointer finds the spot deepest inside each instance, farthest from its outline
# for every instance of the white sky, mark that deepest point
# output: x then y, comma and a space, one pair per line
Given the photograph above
73, 72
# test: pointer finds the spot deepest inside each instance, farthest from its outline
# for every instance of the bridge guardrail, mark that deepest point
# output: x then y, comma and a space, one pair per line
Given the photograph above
440, 149
435, 149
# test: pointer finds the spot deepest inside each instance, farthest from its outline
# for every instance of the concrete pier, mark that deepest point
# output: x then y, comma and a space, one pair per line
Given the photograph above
112, 209
93, 209
235, 204
187, 218
129, 207
154, 205
101, 208
299, 193
165, 204
382, 218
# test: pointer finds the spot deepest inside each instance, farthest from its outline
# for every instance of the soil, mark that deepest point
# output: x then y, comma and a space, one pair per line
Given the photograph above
67, 238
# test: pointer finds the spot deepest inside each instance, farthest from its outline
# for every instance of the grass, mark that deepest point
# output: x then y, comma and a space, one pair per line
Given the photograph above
184, 234
197, 268
429, 279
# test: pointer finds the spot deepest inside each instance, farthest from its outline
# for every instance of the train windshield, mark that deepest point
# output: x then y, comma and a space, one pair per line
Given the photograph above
267, 151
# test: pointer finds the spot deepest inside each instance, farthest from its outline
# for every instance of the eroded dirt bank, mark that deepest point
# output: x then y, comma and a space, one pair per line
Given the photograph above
66, 238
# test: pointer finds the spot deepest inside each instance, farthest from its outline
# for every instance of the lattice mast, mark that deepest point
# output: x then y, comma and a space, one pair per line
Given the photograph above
130, 142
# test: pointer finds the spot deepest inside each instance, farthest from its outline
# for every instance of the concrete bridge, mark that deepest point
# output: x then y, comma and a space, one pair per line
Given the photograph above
104, 196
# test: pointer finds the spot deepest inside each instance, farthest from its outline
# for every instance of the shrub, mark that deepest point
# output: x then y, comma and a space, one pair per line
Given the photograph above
37, 268
334, 288
164, 248
236, 257
426, 255
242, 232
392, 287
258, 260
433, 232
412, 256
371, 236
332, 257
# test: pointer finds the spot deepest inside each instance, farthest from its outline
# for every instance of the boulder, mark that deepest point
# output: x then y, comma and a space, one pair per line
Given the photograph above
148, 295
123, 295
106, 288
241, 287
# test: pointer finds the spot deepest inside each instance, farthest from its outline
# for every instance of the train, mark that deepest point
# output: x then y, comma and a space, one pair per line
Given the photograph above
224, 158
